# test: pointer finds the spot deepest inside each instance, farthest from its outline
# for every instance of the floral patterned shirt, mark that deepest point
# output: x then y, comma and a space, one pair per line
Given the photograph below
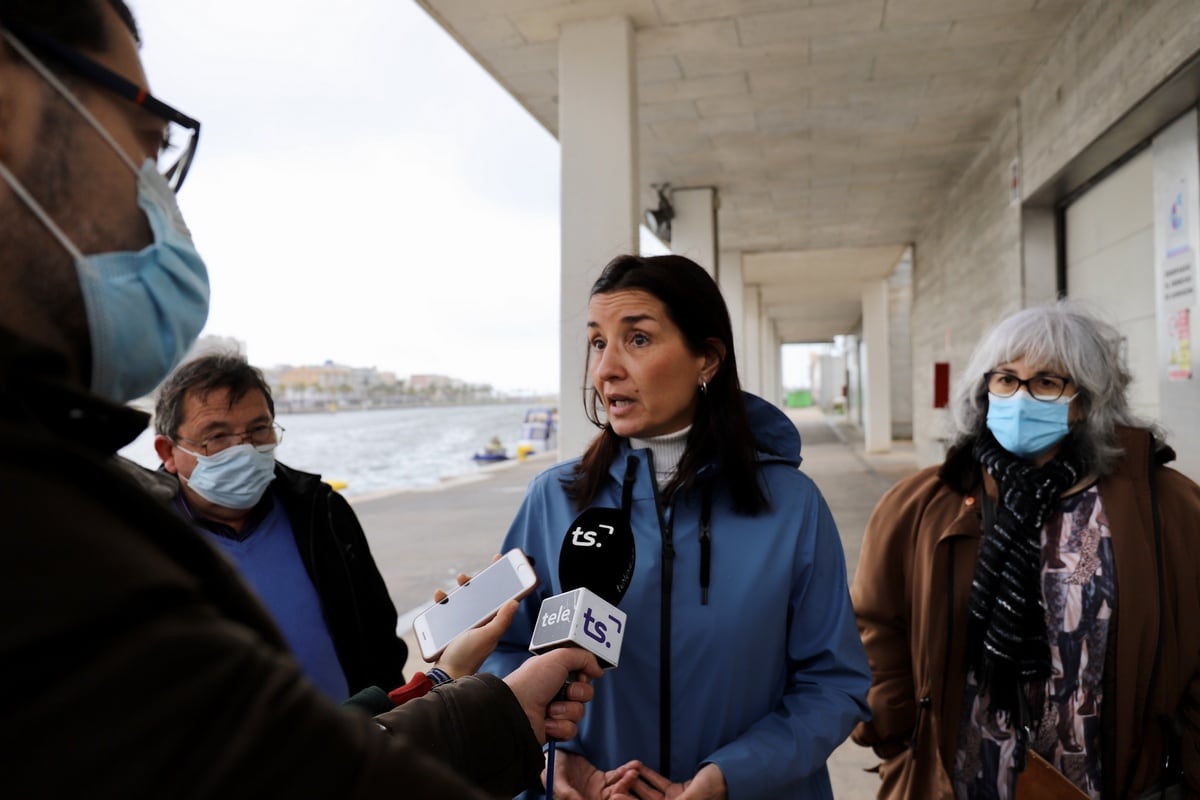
1079, 591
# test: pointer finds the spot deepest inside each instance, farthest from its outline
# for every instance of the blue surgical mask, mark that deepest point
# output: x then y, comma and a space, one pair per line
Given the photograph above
1027, 427
144, 309
234, 478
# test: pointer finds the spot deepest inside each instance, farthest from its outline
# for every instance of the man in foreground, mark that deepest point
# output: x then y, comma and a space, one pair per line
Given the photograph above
133, 660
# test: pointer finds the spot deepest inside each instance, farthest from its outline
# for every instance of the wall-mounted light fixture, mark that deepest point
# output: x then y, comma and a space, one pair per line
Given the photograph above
658, 220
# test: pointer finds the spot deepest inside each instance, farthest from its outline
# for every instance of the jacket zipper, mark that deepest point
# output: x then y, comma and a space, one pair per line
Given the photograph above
705, 541
323, 508
925, 702
664, 646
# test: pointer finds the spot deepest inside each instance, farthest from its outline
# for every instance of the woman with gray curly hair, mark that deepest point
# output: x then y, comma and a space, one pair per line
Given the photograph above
1031, 607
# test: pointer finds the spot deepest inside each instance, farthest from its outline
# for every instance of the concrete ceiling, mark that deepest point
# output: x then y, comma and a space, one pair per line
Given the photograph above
814, 294
826, 125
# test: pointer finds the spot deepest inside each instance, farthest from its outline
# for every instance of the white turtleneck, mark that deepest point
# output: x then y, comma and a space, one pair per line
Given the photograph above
668, 451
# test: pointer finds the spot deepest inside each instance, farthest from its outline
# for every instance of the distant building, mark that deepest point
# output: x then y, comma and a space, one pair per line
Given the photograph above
328, 376
421, 383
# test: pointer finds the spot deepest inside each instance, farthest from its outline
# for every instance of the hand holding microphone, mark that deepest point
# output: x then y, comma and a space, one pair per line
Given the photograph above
595, 567
579, 630
538, 683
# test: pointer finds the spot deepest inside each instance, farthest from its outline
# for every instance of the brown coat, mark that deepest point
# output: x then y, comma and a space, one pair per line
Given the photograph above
910, 594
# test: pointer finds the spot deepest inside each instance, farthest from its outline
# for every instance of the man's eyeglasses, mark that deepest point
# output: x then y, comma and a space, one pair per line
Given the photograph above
258, 436
181, 133
1046, 388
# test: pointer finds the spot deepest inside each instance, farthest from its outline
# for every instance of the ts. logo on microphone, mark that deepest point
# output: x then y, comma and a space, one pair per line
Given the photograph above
594, 629
582, 538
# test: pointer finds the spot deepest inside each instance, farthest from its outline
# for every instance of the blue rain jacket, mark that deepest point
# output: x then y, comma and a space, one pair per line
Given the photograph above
767, 678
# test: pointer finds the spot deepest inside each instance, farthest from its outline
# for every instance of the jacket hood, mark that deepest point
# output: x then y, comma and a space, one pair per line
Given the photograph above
775, 436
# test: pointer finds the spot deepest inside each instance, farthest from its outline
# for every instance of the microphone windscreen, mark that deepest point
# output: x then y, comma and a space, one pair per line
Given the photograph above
598, 554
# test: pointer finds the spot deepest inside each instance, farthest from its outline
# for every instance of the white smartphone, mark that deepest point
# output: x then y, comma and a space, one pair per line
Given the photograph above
510, 578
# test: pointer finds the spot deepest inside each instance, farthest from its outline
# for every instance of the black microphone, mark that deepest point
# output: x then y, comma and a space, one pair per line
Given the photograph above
598, 554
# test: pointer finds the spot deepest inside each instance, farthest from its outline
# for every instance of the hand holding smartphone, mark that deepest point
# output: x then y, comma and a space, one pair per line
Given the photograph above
509, 578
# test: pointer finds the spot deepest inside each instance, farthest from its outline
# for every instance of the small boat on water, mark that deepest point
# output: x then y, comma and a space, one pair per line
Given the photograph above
493, 452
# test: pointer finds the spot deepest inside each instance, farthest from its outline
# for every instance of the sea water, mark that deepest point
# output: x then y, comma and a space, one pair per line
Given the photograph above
386, 449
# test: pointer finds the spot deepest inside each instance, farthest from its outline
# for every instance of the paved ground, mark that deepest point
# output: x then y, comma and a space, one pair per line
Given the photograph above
422, 539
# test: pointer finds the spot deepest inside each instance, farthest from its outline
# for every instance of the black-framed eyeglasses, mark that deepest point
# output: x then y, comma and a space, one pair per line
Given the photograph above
1044, 387
259, 435
181, 133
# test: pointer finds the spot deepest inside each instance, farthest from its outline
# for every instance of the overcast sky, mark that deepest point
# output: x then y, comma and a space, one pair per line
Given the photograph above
363, 191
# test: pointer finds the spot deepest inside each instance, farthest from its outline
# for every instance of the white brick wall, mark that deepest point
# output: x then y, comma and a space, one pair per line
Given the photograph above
966, 276
967, 269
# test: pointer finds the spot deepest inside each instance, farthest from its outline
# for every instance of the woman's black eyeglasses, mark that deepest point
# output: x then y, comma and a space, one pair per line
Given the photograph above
181, 133
1046, 388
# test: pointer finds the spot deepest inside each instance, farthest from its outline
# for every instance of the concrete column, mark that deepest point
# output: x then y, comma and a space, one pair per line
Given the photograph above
900, 361
768, 355
729, 278
876, 371
750, 359
772, 363
1039, 254
597, 133
694, 229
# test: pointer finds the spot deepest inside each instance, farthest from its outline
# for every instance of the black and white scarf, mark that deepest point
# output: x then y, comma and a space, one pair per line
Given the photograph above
1007, 642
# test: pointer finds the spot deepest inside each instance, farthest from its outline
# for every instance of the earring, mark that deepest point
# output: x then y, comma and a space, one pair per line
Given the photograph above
703, 386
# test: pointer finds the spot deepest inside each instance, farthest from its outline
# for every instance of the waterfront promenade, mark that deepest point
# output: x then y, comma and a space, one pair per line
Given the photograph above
422, 539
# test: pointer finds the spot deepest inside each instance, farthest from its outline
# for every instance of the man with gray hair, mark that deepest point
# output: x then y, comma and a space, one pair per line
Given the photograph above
294, 539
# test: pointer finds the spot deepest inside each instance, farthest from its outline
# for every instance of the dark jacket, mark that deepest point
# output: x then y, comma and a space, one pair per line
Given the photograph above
357, 608
135, 663
910, 594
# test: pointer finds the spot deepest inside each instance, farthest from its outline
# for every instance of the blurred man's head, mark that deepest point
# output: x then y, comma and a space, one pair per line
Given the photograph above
71, 147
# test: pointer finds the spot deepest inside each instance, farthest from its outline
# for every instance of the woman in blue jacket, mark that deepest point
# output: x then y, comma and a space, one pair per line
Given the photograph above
741, 668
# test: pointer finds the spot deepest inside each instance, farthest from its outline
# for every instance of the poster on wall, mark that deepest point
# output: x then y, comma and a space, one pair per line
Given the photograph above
1175, 154
1179, 365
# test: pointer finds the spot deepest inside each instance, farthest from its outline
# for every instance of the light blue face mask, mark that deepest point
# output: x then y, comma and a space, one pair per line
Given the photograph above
234, 478
144, 309
1027, 427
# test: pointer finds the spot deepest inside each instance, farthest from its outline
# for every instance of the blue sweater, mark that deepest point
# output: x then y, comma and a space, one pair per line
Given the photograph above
767, 678
270, 562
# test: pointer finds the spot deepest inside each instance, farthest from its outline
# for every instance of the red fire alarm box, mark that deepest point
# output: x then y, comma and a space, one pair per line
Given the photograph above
941, 384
